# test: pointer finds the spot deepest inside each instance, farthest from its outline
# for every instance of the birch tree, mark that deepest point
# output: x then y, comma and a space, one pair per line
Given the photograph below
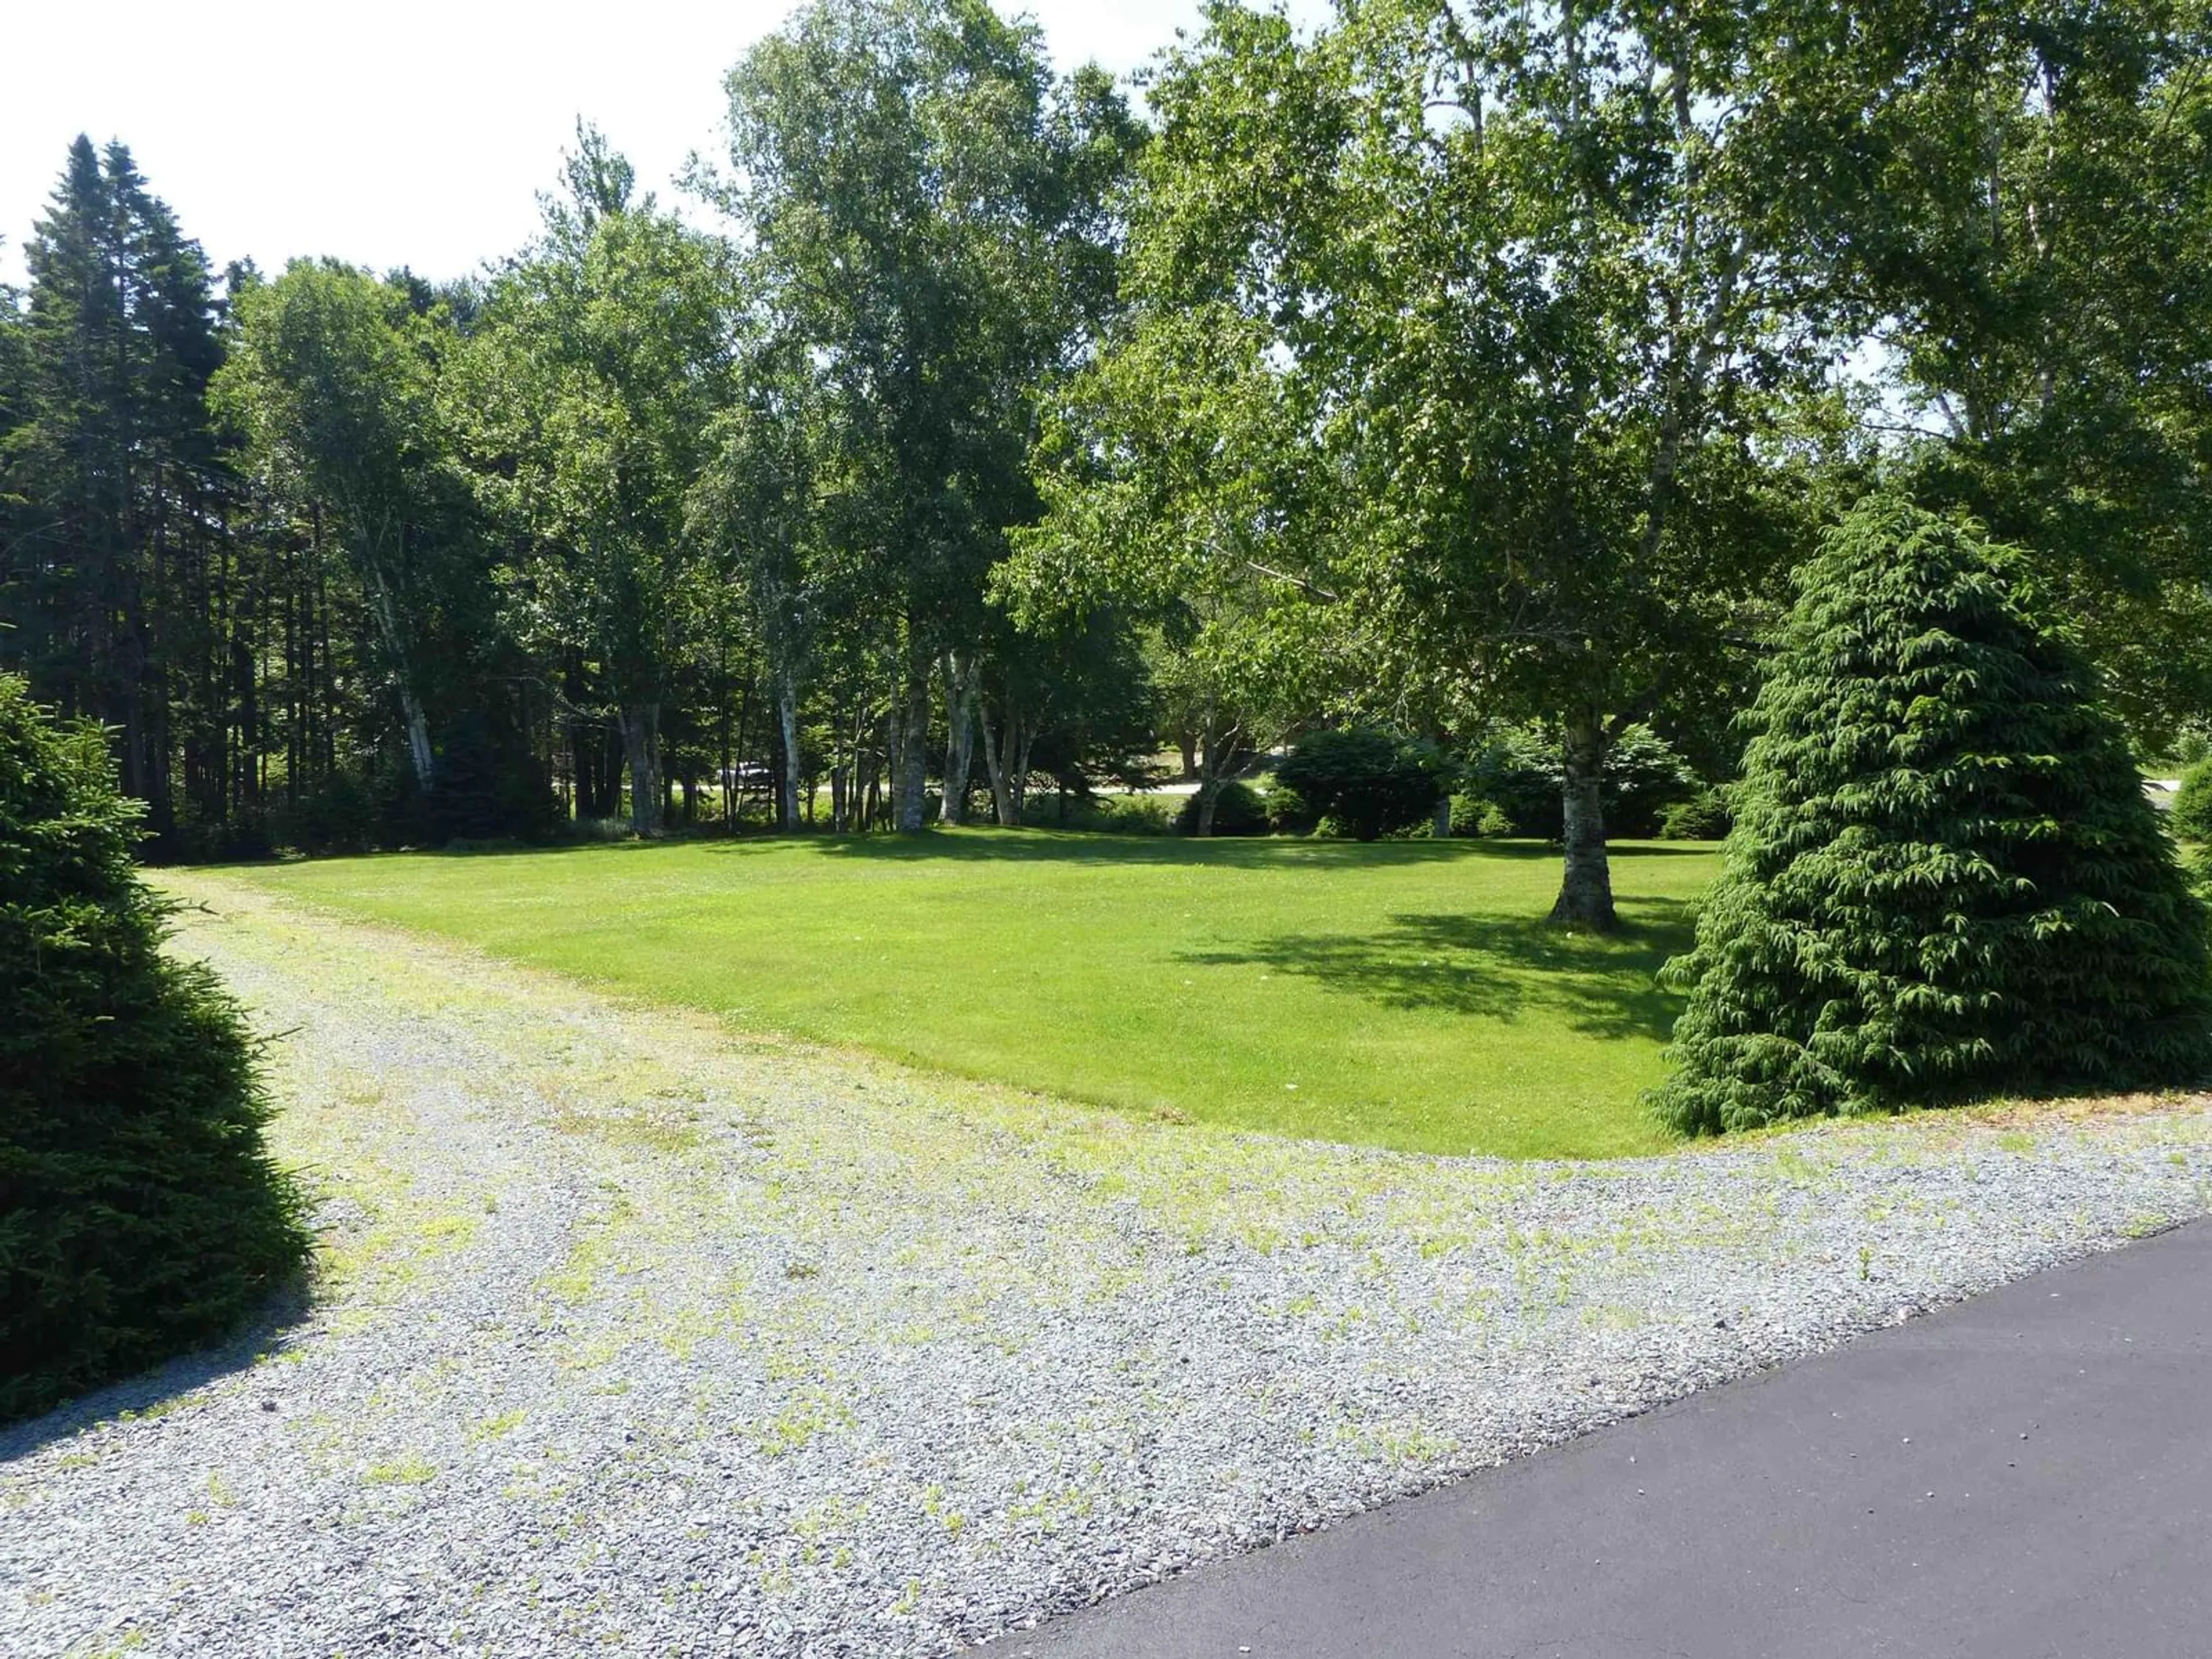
584, 404
924, 211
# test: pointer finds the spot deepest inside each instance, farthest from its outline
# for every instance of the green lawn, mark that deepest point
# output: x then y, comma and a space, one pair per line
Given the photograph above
1404, 994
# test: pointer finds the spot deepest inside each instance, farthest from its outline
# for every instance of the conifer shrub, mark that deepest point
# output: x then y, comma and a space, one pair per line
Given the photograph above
140, 1214
1944, 880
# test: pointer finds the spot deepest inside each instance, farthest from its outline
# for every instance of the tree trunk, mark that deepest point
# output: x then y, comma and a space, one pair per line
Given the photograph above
1005, 753
418, 733
914, 747
1019, 781
1440, 821
959, 736
640, 736
1215, 751
1003, 807
1209, 796
1586, 894
410, 705
787, 714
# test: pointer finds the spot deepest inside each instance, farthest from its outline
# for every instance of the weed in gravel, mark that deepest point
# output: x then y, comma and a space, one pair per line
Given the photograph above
410, 1468
494, 1428
811, 1413
650, 1125
1400, 1443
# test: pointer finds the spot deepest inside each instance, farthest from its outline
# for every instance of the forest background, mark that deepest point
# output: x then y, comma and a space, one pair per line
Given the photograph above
1476, 372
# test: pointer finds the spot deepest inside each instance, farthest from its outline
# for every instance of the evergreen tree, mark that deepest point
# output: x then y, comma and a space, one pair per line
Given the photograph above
1944, 880
139, 1214
12, 417
113, 462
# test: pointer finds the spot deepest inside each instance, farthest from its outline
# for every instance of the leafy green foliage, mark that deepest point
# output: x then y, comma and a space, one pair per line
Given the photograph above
2191, 815
2044, 278
1239, 810
1703, 817
927, 219
1119, 815
1289, 812
1945, 880
584, 400
1370, 782
1520, 772
328, 389
1471, 815
139, 1214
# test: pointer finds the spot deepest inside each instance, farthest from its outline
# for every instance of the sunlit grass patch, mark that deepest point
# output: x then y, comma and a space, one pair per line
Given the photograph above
1405, 994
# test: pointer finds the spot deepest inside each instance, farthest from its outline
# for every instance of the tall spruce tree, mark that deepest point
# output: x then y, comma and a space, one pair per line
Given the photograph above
12, 416
1945, 880
111, 459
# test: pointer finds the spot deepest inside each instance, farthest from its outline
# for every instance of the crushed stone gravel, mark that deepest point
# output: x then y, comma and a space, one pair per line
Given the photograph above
633, 1337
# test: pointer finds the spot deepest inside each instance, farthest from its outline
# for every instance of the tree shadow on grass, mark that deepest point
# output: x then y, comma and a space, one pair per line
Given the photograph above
1044, 846
1496, 968
1226, 851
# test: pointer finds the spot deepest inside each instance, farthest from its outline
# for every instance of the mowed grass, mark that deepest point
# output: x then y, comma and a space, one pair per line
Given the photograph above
1405, 994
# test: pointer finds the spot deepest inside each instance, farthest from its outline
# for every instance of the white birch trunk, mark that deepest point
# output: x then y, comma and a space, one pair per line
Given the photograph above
787, 714
1586, 891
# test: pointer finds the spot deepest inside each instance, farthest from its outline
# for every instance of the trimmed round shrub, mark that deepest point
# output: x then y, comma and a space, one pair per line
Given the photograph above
140, 1215
2191, 814
1238, 810
1704, 817
1288, 813
1369, 782
1945, 880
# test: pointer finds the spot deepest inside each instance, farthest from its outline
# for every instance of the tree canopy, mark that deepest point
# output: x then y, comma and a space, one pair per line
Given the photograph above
1456, 368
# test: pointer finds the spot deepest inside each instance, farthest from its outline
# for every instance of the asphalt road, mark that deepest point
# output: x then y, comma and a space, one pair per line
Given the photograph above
2027, 1475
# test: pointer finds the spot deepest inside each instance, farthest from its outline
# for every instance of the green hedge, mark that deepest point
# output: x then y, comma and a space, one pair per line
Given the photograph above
1519, 773
1238, 810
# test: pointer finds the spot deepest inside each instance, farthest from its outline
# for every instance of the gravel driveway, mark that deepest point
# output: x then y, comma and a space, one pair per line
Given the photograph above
631, 1337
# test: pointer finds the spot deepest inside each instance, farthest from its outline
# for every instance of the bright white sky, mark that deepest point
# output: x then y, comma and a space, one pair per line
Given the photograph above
393, 135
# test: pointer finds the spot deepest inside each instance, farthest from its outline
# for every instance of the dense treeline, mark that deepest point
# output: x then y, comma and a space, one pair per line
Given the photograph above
642, 521
1463, 366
